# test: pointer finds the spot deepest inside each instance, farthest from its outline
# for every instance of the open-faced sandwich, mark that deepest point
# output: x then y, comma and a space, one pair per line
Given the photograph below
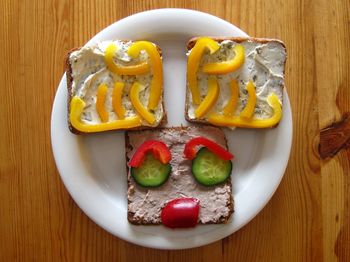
115, 85
178, 176
235, 82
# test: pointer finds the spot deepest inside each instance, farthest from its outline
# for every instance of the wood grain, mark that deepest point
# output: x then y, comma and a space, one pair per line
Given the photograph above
306, 220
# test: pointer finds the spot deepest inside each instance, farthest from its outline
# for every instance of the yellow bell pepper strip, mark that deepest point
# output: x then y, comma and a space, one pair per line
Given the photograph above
209, 100
193, 62
248, 110
157, 69
221, 120
117, 100
227, 66
137, 69
76, 108
100, 102
135, 101
232, 103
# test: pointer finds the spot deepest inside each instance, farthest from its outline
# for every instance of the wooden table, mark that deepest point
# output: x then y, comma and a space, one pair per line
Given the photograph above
308, 218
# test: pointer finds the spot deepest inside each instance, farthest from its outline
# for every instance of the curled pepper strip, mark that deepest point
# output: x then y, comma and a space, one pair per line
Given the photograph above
227, 66
221, 120
209, 100
231, 104
159, 150
193, 62
100, 102
137, 69
117, 100
157, 69
190, 151
135, 101
248, 110
76, 108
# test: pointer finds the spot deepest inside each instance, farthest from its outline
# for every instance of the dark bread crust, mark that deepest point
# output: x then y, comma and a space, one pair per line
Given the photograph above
69, 78
140, 221
190, 45
192, 41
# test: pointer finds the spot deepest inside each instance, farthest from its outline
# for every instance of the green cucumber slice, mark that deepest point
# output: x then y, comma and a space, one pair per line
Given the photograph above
209, 169
151, 173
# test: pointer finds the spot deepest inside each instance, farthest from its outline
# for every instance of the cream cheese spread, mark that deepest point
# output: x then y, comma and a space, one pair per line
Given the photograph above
89, 70
264, 65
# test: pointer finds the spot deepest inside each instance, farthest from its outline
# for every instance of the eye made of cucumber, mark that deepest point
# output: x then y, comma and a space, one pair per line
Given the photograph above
151, 173
209, 169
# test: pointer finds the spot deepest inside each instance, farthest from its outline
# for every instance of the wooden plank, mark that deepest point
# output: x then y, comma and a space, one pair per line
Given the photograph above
332, 42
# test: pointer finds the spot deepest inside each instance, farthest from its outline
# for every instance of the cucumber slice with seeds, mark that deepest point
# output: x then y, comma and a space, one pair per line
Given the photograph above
209, 169
151, 173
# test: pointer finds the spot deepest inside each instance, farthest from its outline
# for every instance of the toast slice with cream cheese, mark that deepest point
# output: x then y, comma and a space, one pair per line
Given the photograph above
115, 85
235, 82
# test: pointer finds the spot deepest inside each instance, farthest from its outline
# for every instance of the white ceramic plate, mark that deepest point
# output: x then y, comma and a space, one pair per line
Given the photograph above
93, 169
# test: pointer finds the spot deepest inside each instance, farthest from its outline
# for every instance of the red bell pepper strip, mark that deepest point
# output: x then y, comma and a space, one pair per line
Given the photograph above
181, 212
190, 148
159, 150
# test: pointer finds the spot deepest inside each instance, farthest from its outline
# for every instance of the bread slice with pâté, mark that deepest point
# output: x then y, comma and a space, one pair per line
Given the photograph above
145, 204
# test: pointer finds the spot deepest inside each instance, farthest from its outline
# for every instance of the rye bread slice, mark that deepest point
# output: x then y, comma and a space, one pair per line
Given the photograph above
145, 204
69, 77
190, 45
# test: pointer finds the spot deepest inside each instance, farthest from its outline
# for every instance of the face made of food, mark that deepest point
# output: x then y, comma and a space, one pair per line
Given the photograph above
145, 204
